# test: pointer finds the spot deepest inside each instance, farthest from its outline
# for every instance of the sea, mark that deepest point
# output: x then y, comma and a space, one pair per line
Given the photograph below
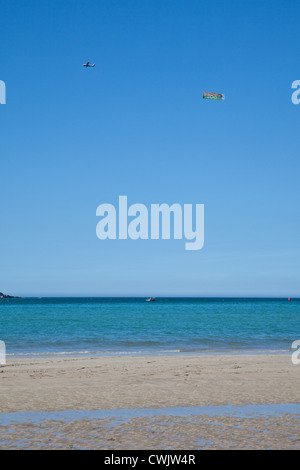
133, 326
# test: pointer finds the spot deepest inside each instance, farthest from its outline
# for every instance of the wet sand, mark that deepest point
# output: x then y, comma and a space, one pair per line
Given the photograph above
164, 433
129, 382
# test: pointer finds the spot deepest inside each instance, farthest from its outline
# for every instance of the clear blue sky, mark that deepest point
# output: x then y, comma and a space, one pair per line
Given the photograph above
136, 125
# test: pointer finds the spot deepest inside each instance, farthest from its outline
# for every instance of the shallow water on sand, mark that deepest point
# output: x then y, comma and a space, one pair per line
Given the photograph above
270, 426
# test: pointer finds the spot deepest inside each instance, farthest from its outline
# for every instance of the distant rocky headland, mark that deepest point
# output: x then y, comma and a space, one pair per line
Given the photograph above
3, 296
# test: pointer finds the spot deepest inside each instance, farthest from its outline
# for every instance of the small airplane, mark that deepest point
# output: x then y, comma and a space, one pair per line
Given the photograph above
88, 65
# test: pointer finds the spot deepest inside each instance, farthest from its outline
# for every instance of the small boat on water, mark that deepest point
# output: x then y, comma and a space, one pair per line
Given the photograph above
151, 299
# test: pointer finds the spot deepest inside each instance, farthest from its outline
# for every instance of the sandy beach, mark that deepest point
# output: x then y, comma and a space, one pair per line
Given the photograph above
57, 383
155, 382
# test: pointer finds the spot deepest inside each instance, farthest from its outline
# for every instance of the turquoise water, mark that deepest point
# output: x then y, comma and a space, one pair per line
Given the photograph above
132, 326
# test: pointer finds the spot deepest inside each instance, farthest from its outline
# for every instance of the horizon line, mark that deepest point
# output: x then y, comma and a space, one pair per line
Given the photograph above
157, 297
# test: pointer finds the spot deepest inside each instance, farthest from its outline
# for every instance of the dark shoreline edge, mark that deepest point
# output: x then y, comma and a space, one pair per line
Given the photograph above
4, 296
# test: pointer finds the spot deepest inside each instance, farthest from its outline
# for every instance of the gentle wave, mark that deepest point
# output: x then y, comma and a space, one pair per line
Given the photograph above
149, 353
92, 353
